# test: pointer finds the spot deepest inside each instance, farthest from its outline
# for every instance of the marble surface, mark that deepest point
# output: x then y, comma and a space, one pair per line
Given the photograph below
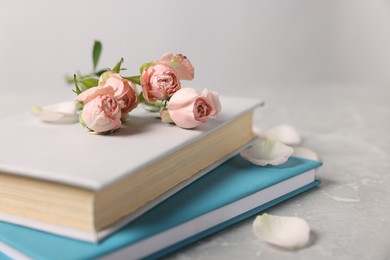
348, 126
349, 214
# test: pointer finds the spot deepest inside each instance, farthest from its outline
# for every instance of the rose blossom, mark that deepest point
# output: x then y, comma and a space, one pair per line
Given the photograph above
93, 92
102, 114
125, 91
189, 107
159, 82
180, 64
104, 76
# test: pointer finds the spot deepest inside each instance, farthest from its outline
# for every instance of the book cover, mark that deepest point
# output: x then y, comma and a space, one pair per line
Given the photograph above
57, 152
230, 193
94, 171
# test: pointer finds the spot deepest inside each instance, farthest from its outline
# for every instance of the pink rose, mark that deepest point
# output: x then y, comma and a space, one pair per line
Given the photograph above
102, 114
159, 82
180, 64
103, 78
189, 107
92, 93
125, 91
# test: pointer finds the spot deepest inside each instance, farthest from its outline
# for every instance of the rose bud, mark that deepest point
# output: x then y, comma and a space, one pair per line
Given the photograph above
189, 107
159, 82
180, 64
125, 92
102, 114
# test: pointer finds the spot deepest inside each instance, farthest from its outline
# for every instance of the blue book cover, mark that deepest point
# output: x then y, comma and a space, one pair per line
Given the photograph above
230, 193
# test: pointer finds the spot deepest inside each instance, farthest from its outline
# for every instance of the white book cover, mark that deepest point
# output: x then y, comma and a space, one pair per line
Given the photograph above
66, 153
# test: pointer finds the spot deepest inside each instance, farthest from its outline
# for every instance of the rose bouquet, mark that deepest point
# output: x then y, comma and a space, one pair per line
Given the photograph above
107, 96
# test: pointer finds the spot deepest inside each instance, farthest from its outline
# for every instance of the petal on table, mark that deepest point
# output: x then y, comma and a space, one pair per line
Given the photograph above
286, 232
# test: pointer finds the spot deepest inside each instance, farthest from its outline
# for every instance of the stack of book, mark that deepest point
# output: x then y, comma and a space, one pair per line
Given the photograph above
142, 192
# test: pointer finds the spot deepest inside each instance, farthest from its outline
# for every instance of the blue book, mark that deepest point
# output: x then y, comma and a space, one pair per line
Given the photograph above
230, 193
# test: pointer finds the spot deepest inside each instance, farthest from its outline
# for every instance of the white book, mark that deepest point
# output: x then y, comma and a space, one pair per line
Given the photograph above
60, 179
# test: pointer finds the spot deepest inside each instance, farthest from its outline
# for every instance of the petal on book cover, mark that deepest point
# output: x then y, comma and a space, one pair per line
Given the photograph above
62, 113
306, 153
286, 134
266, 151
286, 232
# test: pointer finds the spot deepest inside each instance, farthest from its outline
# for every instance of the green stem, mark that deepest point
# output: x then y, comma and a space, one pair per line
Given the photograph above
134, 79
161, 104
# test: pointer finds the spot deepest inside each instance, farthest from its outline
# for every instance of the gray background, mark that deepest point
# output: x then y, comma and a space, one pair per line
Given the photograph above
232, 44
320, 65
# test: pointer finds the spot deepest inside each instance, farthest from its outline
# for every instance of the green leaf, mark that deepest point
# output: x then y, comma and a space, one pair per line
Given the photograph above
145, 66
97, 50
89, 82
77, 91
135, 79
117, 67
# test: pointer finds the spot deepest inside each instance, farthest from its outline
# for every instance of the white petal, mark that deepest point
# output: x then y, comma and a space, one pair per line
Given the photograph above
285, 134
286, 232
267, 151
257, 131
66, 107
64, 112
306, 153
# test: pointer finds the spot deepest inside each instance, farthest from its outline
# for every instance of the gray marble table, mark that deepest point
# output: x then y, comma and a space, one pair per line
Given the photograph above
349, 214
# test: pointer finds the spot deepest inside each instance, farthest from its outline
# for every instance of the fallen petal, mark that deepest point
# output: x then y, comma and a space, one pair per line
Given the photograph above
286, 232
62, 113
306, 153
267, 151
285, 134
258, 131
